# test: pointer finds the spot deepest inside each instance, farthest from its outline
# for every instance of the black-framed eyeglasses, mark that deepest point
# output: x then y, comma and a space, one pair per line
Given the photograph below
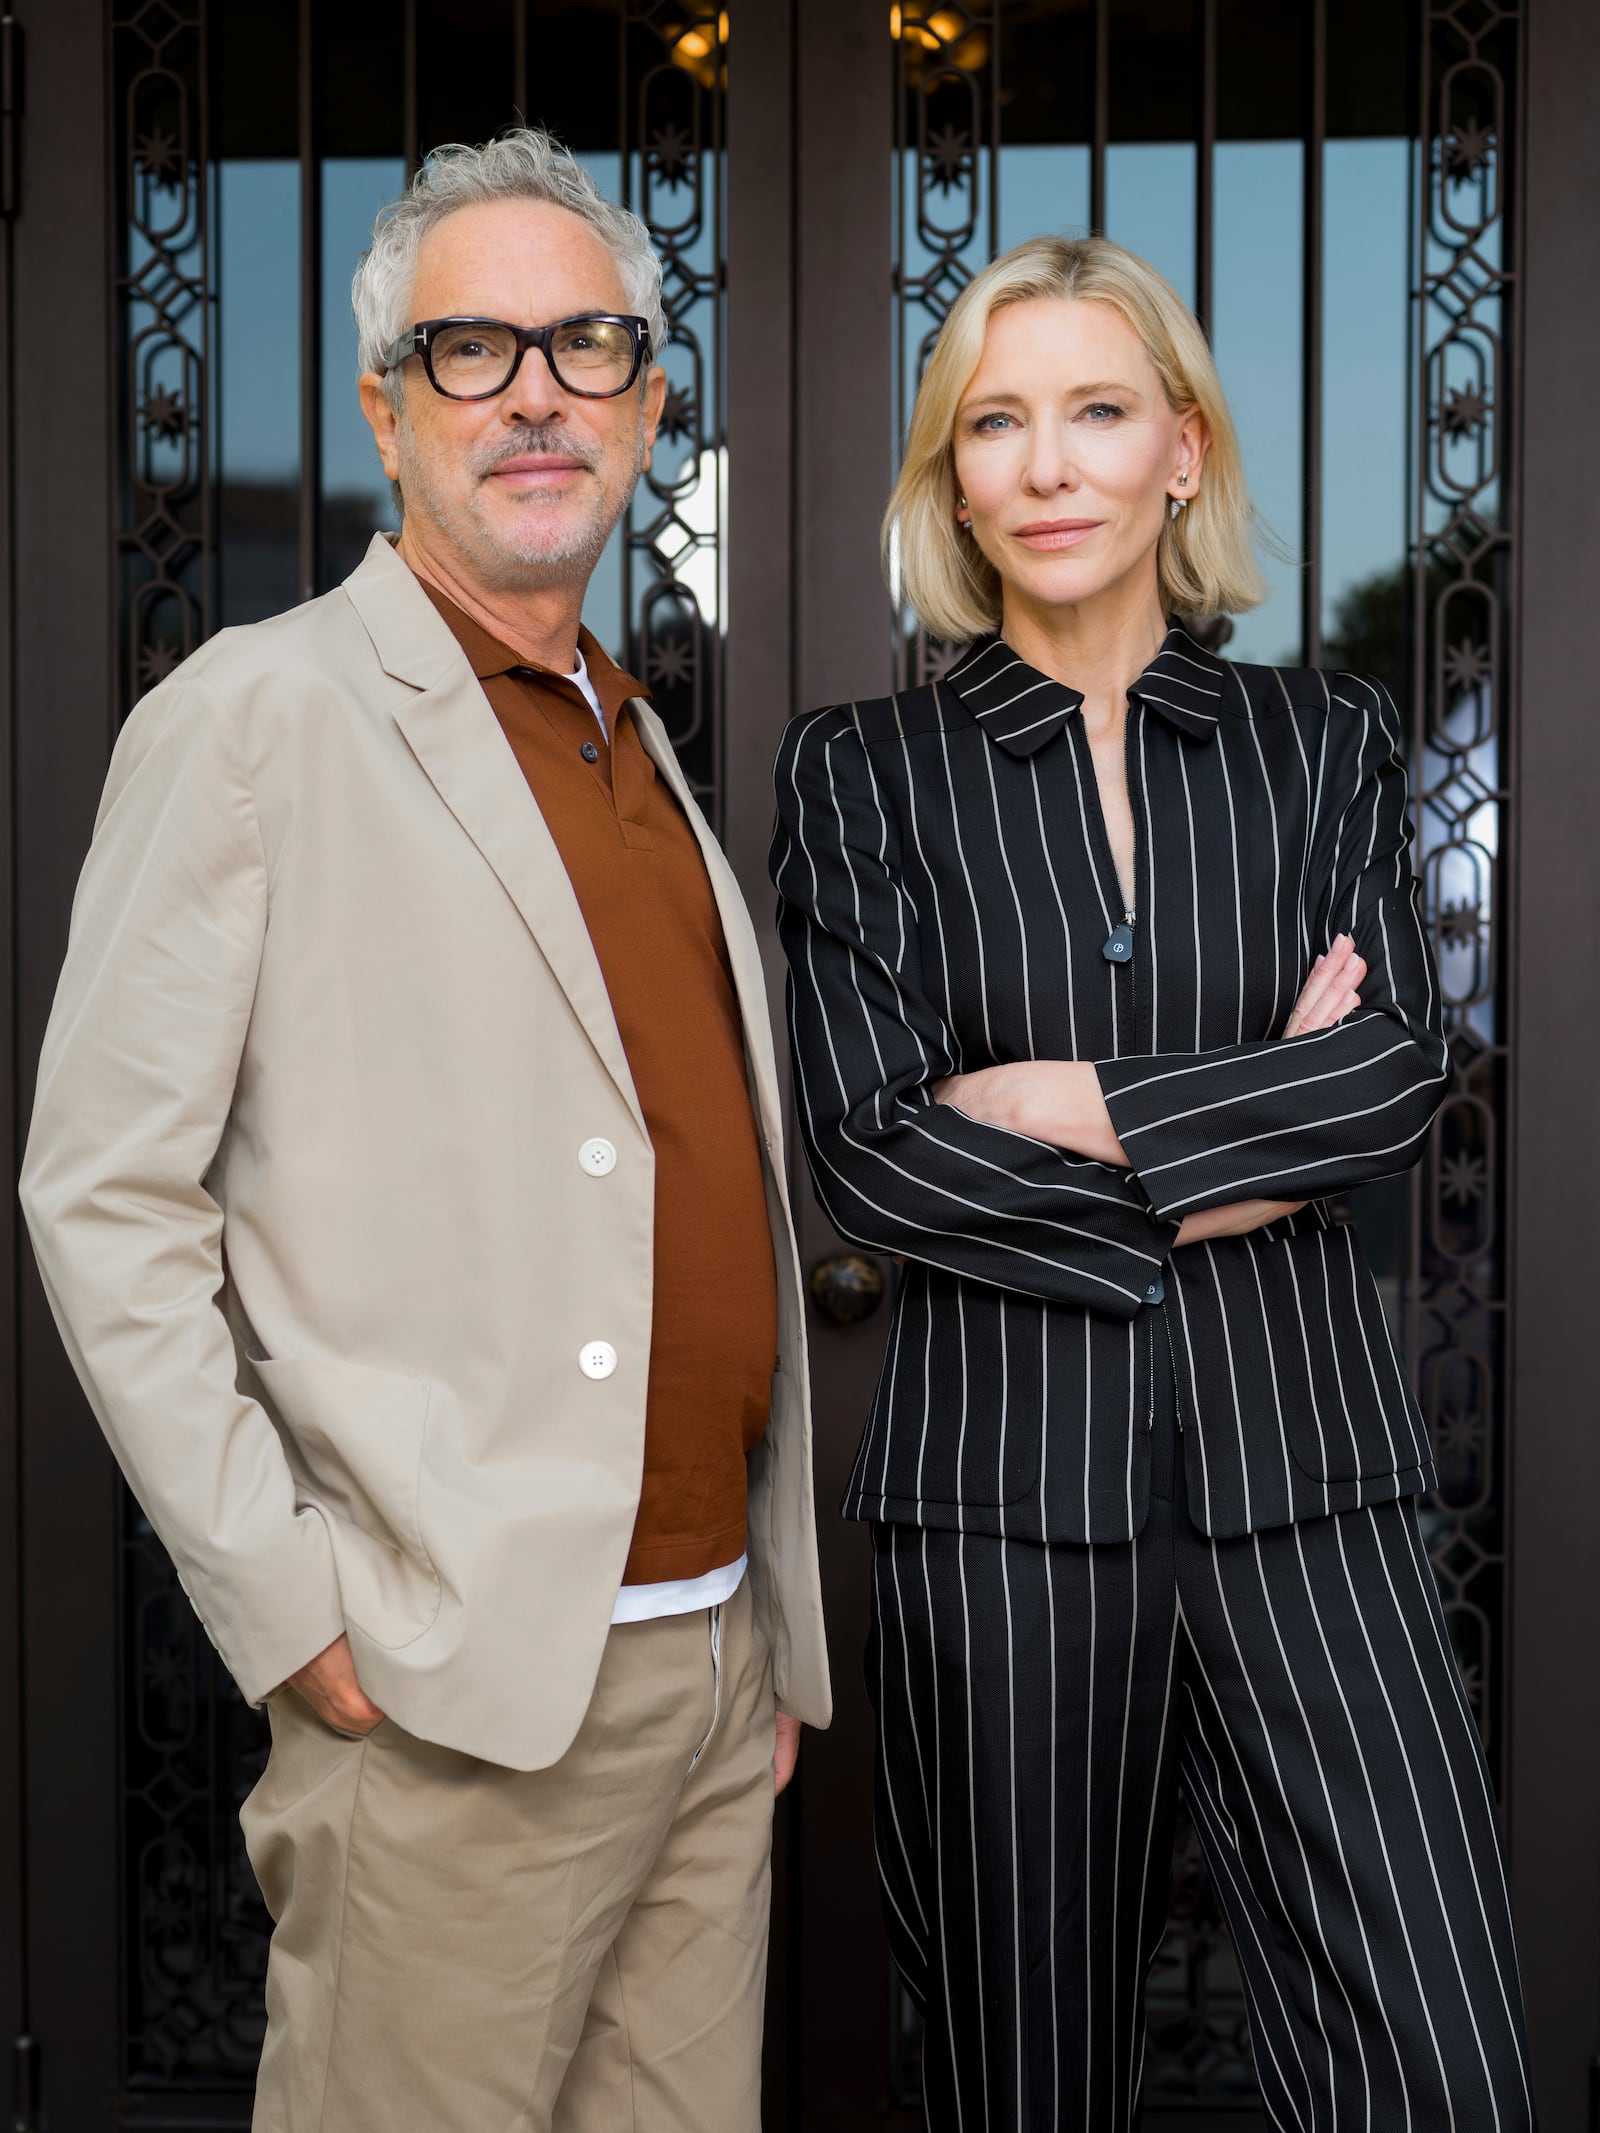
595, 356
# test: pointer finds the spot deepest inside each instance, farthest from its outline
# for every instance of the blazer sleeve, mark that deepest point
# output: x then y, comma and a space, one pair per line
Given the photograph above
1304, 1116
894, 1170
135, 1086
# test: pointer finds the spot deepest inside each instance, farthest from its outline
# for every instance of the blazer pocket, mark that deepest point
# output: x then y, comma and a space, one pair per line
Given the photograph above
354, 1438
1348, 1411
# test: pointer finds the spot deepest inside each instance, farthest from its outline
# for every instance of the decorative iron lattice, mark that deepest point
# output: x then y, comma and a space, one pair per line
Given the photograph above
674, 96
946, 213
164, 543
1464, 545
194, 1925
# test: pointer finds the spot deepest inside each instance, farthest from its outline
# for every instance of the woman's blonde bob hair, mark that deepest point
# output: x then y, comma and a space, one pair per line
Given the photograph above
1205, 557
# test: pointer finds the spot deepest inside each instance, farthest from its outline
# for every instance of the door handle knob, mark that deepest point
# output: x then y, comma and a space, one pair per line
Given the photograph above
847, 1287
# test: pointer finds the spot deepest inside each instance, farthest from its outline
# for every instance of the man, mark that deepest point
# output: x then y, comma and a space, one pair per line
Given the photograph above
406, 1177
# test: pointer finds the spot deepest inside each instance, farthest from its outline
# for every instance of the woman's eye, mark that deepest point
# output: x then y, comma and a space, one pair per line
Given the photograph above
1103, 411
987, 425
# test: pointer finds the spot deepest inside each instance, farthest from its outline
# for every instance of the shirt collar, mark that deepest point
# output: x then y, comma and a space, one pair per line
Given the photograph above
1022, 709
487, 657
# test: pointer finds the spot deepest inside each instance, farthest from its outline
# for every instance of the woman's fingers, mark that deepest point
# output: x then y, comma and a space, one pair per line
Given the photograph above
1330, 992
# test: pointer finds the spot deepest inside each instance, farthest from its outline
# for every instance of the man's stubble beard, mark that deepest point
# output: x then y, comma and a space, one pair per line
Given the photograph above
531, 563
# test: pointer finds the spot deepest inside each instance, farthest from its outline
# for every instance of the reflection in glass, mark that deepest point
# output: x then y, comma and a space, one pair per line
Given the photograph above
1365, 397
1257, 340
258, 386
355, 500
1366, 571
602, 605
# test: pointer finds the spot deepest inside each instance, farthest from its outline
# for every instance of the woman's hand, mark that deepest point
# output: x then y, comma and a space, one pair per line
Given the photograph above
1054, 1100
1060, 1100
1236, 1220
1327, 997
1330, 993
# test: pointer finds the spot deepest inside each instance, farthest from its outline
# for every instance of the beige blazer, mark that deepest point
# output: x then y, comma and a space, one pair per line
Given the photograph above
304, 1185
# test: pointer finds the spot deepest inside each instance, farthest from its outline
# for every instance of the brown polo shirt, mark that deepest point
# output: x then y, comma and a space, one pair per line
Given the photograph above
646, 899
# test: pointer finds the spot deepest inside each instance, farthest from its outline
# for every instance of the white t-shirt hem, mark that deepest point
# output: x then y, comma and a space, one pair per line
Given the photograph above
678, 1596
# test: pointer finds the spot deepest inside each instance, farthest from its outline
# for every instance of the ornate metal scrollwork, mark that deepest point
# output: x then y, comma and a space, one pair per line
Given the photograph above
674, 572
1464, 535
164, 546
196, 1929
946, 207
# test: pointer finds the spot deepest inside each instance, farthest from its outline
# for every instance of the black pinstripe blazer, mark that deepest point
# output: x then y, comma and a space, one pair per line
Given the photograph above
947, 895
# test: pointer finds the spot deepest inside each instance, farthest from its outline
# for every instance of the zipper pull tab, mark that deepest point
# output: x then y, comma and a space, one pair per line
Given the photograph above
1119, 949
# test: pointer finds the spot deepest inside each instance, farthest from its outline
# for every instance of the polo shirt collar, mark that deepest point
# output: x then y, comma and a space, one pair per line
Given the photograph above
1022, 709
487, 657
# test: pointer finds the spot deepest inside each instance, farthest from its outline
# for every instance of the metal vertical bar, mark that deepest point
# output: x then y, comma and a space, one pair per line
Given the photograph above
995, 13
408, 92
310, 312
1205, 178
1311, 439
1102, 116
519, 60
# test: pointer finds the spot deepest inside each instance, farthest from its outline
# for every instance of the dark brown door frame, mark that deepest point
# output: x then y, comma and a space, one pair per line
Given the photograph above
63, 658
809, 627
810, 124
1555, 1421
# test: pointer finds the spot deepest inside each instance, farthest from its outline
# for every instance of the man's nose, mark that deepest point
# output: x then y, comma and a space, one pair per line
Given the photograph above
533, 393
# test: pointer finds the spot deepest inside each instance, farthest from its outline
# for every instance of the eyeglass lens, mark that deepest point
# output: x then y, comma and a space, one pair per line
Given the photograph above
588, 355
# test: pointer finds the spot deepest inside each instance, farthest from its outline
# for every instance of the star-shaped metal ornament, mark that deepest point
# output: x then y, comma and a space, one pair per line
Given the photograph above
156, 662
1460, 924
156, 154
1468, 149
1465, 1178
671, 661
1465, 410
1467, 665
677, 414
1460, 1433
949, 152
164, 414
670, 149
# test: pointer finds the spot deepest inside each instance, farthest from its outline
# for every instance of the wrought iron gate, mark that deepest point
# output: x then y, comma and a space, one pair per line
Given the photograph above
1075, 110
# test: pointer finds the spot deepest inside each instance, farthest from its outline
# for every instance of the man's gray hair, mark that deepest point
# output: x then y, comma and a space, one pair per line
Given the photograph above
523, 164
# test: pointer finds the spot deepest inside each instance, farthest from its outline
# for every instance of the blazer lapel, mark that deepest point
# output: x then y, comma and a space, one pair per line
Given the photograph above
456, 738
749, 978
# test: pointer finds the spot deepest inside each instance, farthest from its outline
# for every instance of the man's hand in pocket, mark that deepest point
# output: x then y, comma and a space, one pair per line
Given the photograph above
328, 1683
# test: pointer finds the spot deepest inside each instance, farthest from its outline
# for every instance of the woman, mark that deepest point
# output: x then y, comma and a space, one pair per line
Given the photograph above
1107, 975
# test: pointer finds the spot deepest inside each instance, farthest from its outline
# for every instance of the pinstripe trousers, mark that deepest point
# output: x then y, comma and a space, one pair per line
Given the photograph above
1038, 1707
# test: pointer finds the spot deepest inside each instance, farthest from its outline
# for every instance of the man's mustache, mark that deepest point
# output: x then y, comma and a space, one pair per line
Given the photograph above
543, 437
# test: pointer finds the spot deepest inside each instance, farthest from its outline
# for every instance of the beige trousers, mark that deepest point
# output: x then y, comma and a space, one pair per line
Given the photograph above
462, 1948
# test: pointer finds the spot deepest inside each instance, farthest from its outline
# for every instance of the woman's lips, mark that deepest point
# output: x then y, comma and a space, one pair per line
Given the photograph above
1048, 534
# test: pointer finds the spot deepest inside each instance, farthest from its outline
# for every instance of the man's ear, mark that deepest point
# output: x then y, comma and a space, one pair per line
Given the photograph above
381, 419
655, 398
